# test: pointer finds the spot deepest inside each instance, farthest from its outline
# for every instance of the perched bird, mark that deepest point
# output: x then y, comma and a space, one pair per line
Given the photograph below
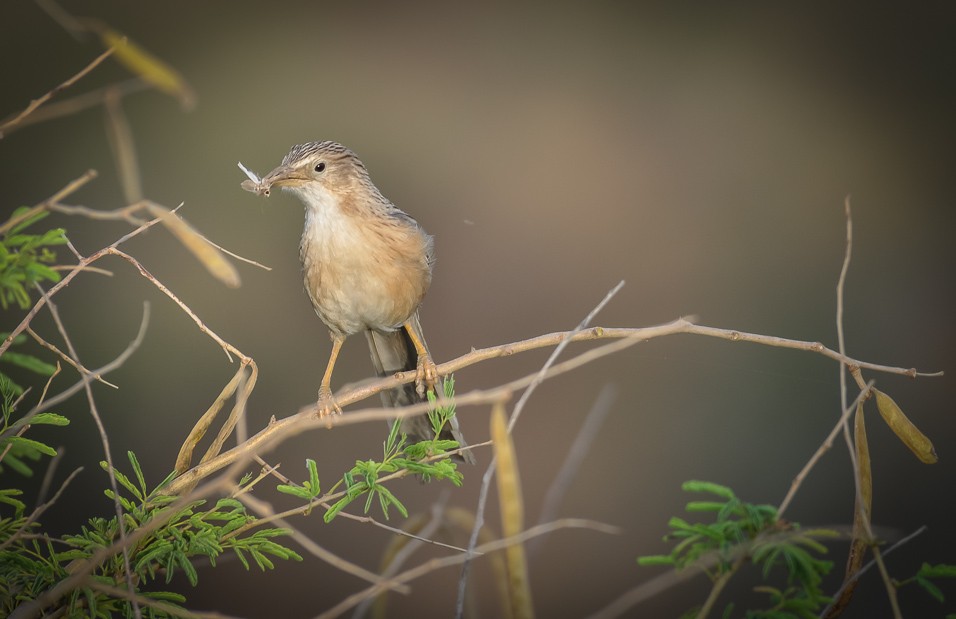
367, 266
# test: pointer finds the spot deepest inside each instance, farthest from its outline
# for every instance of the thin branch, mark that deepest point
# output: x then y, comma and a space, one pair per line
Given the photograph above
69, 188
682, 325
326, 502
519, 407
78, 103
859, 574
306, 419
72, 25
38, 511
234, 255
48, 475
824, 447
226, 346
120, 137
104, 440
46, 97
120, 359
69, 276
125, 213
404, 554
81, 569
263, 509
67, 358
451, 561
572, 462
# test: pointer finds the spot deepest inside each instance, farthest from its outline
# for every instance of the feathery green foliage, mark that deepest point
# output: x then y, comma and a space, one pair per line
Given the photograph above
742, 532
426, 458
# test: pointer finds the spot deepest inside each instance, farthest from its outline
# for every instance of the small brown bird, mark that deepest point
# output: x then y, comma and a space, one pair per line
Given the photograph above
367, 266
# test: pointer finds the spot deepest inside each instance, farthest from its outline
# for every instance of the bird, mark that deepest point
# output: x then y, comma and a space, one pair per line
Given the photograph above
366, 265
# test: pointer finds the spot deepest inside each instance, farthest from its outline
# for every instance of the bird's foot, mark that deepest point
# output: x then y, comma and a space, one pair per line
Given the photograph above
426, 375
326, 405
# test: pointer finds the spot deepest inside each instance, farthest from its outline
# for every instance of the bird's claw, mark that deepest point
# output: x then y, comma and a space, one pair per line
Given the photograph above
426, 375
327, 406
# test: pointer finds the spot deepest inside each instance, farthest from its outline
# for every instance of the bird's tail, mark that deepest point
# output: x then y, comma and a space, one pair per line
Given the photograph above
393, 352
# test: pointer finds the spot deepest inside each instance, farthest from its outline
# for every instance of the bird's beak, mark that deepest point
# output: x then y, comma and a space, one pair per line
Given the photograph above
282, 176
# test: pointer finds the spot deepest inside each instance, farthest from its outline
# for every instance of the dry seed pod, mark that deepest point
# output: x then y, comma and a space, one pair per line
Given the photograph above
911, 436
209, 256
151, 69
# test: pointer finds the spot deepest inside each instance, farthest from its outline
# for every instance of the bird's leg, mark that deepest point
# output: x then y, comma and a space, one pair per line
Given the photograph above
426, 374
327, 405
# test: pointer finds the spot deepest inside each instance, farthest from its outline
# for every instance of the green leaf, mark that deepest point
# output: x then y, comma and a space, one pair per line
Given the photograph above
6, 496
30, 444
138, 471
41, 272
338, 506
28, 221
296, 491
123, 480
17, 464
941, 570
655, 560
709, 487
392, 437
29, 362
930, 588
54, 236
386, 498
313, 476
704, 506
50, 419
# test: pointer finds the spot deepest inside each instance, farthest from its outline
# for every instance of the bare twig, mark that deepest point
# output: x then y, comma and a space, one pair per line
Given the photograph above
263, 509
306, 419
824, 447
572, 462
80, 570
125, 213
67, 358
398, 559
859, 574
120, 359
121, 144
86, 378
227, 348
69, 276
72, 25
48, 475
5, 127
682, 325
442, 562
69, 188
519, 406
36, 513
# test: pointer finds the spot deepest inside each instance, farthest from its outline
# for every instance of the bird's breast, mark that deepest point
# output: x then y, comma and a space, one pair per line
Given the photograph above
363, 271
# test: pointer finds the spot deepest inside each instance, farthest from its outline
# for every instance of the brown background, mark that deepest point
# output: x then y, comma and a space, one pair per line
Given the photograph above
701, 155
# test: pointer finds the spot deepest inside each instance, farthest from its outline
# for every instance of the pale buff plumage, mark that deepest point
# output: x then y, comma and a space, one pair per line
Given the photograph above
367, 266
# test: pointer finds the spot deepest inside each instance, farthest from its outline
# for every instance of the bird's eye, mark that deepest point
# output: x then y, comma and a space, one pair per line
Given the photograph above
320, 166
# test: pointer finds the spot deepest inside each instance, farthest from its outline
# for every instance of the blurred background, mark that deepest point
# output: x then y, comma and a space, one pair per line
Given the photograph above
702, 155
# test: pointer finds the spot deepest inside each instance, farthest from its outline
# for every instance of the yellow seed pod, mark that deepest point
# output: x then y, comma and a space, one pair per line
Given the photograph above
151, 69
911, 436
209, 256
